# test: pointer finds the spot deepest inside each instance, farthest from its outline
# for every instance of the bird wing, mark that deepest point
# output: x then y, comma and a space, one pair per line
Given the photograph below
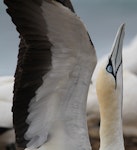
55, 57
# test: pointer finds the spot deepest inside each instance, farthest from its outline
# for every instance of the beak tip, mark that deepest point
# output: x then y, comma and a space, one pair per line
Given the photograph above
116, 54
122, 27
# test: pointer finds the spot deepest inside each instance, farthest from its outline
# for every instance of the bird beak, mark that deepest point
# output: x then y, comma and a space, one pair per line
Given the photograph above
116, 54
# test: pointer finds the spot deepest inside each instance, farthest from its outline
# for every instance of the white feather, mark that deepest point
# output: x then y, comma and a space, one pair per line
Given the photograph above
62, 97
6, 88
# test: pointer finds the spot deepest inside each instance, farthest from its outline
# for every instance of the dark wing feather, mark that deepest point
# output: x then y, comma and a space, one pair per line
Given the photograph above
34, 59
67, 3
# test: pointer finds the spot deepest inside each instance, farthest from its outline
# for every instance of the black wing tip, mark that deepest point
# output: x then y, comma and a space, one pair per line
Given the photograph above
67, 3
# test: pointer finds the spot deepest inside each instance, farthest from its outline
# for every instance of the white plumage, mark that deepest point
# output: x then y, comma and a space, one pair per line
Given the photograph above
6, 94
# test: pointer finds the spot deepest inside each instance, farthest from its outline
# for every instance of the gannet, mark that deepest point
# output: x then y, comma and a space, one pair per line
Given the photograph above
109, 87
129, 96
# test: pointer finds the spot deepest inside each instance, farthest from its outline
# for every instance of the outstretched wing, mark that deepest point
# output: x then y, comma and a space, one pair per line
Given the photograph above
55, 58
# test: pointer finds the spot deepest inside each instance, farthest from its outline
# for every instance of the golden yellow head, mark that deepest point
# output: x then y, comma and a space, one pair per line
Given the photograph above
105, 83
109, 83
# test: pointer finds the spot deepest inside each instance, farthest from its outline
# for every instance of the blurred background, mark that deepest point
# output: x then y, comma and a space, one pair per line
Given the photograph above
101, 17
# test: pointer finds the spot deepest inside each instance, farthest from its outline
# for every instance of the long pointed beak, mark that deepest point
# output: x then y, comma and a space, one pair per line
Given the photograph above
116, 54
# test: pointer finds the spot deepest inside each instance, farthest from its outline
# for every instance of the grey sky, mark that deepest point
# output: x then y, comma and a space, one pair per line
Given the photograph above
101, 17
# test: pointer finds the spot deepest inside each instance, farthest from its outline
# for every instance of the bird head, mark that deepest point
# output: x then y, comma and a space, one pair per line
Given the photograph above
110, 78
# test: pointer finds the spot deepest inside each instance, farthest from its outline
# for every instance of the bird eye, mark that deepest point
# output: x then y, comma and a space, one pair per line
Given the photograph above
109, 68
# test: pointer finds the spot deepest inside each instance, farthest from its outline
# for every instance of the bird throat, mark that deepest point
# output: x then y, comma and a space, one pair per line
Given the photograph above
111, 133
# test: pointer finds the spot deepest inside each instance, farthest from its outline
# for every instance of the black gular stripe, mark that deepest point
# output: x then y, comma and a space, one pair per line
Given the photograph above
34, 58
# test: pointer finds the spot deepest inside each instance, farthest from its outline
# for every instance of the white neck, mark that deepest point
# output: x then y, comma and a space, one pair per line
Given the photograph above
110, 102
111, 135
